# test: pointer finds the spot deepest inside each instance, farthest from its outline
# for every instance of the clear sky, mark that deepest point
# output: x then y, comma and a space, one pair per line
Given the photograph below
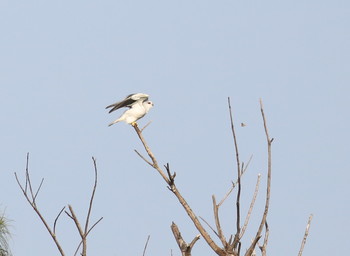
62, 62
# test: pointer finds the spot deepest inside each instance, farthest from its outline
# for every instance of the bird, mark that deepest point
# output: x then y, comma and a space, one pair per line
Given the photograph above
138, 105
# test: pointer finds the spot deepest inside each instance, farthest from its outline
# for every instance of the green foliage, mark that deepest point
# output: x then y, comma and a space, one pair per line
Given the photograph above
4, 236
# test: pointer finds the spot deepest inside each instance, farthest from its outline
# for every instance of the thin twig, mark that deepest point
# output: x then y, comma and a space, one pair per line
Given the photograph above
146, 126
55, 222
305, 235
250, 207
268, 188
246, 166
227, 194
31, 200
143, 158
144, 250
68, 214
37, 191
92, 198
217, 222
28, 180
238, 211
151, 155
212, 229
76, 251
235, 183
27, 166
93, 225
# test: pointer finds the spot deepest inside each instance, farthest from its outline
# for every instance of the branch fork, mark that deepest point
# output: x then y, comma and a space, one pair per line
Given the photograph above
30, 196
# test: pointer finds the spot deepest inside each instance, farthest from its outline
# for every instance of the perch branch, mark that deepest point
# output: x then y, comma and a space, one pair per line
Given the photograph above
182, 201
150, 154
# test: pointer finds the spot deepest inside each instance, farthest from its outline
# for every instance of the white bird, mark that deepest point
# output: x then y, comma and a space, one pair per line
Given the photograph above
138, 105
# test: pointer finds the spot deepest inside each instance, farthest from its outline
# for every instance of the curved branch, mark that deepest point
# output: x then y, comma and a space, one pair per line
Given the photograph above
268, 189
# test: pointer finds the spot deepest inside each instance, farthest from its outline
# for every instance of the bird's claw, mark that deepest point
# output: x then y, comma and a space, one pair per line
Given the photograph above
134, 124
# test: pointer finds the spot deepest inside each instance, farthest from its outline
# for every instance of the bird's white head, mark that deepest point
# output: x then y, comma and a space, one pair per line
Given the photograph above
148, 105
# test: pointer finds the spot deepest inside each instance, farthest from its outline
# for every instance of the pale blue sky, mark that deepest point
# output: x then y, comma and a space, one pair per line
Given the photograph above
62, 62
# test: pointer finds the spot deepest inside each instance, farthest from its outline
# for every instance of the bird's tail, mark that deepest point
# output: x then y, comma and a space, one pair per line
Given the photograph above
116, 121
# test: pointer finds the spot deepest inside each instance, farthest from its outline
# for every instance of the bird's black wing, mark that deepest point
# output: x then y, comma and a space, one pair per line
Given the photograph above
127, 102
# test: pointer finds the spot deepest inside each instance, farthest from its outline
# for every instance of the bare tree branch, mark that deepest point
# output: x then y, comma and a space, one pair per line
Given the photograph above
182, 201
266, 239
31, 200
76, 222
217, 223
227, 194
55, 222
144, 250
37, 191
92, 198
305, 235
235, 183
239, 173
212, 229
146, 126
28, 193
268, 189
250, 207
150, 154
184, 247
143, 158
84, 233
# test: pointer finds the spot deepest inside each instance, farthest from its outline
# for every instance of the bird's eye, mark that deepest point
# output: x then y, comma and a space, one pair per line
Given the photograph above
149, 103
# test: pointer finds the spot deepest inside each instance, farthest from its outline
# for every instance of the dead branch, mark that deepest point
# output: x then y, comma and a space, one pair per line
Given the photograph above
84, 232
92, 198
184, 247
250, 207
239, 173
212, 229
146, 126
150, 154
171, 183
31, 200
144, 250
30, 196
234, 184
55, 222
305, 235
217, 223
268, 189
233, 247
266, 239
